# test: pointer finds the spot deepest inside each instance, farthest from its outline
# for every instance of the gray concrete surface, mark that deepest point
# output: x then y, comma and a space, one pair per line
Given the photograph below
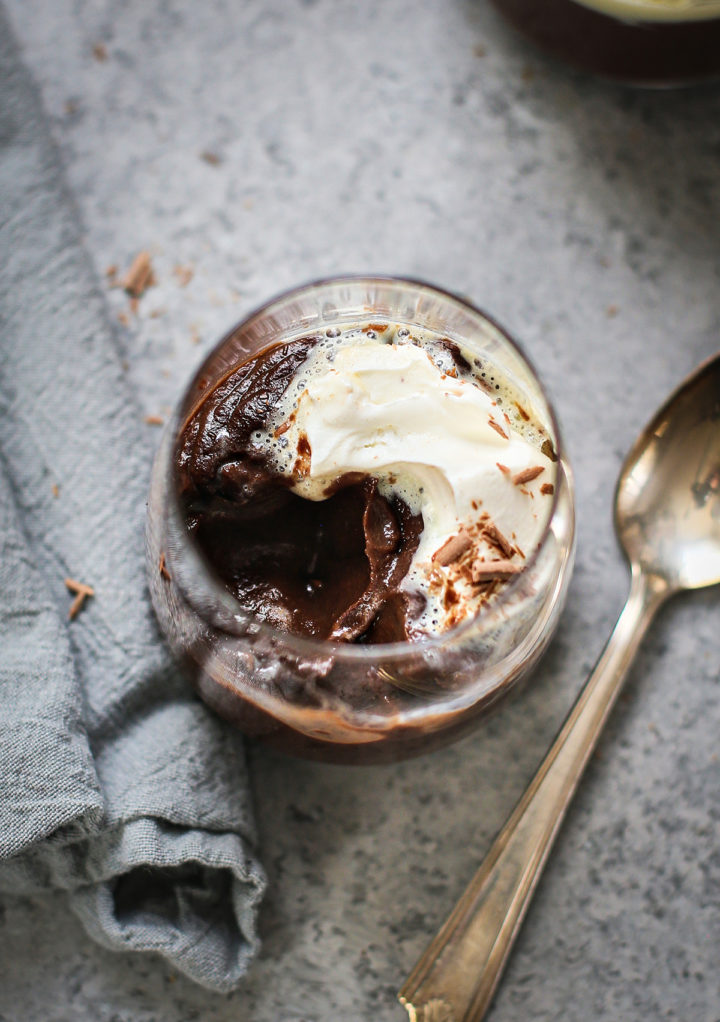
420, 138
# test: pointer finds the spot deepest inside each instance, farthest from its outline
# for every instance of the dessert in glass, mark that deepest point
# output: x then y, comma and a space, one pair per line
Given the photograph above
361, 525
644, 42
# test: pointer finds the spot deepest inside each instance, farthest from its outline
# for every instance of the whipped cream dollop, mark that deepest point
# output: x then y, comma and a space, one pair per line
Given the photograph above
414, 412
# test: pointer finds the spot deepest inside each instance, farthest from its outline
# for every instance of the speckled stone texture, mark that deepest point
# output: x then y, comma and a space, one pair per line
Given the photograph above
420, 138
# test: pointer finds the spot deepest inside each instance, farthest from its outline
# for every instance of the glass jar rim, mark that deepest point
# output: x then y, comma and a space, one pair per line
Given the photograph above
672, 11
323, 649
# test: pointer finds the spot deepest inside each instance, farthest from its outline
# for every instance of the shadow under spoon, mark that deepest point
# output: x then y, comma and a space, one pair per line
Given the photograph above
667, 517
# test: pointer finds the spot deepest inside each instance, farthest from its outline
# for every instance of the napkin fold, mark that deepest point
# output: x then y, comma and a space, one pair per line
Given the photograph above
116, 785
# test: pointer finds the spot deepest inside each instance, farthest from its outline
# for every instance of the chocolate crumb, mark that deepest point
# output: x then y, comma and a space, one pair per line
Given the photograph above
485, 570
548, 450
212, 158
547, 489
154, 420
82, 591
611, 311
452, 549
140, 276
55, 490
100, 52
184, 274
528, 474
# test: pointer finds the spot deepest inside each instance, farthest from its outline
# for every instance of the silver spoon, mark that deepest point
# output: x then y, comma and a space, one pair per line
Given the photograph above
667, 517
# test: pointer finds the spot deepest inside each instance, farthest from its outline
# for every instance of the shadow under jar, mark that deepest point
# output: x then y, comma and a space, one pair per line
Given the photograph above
641, 42
354, 701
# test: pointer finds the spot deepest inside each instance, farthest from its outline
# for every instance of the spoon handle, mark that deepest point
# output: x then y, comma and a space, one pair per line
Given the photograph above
456, 977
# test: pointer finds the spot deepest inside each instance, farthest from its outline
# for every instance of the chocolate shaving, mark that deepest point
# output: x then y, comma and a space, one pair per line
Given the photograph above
55, 490
483, 570
498, 428
456, 354
162, 568
527, 475
82, 591
154, 420
283, 427
547, 489
523, 414
452, 549
494, 536
503, 468
140, 276
301, 468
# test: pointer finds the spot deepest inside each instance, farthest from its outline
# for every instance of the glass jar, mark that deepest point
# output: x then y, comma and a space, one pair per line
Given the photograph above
645, 42
343, 702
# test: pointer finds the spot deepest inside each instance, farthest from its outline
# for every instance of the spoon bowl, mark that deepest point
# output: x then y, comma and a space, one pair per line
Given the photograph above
667, 503
667, 517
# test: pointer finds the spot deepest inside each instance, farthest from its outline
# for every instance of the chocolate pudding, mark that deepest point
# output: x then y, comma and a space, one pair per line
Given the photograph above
647, 42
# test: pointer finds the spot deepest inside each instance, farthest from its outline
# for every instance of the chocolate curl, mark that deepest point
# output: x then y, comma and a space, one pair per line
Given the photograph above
484, 571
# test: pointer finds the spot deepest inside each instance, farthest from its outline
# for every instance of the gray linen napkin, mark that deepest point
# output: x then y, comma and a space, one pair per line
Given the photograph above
116, 785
